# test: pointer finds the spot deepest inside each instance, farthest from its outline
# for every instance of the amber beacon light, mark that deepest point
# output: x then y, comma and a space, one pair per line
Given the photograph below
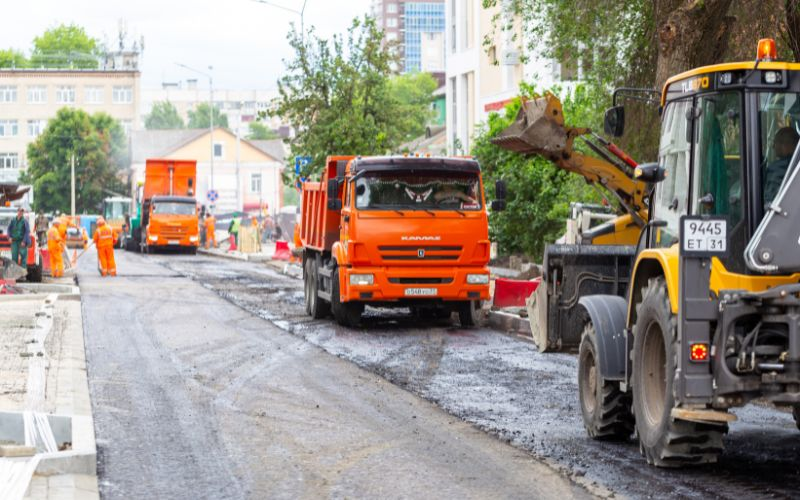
767, 50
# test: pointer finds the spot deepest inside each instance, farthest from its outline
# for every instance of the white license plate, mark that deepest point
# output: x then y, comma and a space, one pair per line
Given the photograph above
173, 242
701, 236
420, 292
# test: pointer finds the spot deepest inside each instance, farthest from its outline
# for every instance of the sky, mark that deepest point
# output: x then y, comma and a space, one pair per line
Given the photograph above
244, 41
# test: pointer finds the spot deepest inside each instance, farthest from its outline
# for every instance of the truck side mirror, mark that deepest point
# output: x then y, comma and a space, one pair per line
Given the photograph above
614, 121
650, 173
334, 203
498, 205
500, 189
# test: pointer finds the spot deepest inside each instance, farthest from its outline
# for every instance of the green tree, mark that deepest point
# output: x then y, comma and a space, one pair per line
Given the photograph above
65, 46
539, 193
201, 118
163, 116
10, 58
414, 92
338, 97
98, 143
259, 131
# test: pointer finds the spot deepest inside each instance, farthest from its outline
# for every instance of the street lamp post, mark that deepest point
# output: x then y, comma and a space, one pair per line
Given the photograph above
210, 112
300, 12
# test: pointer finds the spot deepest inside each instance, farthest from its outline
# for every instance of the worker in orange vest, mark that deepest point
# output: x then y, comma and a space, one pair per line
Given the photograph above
210, 225
104, 239
56, 250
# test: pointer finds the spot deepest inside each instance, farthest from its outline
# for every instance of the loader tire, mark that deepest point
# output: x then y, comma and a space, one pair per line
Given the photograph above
606, 410
318, 307
664, 441
346, 313
796, 413
35, 273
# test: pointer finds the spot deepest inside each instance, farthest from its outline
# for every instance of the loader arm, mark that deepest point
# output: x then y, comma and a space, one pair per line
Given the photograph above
539, 129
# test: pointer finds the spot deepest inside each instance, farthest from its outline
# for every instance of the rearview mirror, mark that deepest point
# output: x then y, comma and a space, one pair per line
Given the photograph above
498, 205
614, 121
650, 173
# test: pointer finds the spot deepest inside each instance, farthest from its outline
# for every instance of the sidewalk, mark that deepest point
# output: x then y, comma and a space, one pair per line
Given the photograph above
44, 397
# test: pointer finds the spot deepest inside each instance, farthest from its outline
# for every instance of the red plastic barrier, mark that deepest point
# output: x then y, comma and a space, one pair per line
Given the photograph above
282, 251
513, 293
45, 253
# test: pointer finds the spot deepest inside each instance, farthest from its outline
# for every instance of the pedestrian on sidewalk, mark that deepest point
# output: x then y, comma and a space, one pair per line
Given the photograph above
55, 250
40, 228
20, 233
210, 226
104, 240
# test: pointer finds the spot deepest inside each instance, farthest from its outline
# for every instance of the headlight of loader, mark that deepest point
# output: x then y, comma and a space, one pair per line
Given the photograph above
477, 279
362, 279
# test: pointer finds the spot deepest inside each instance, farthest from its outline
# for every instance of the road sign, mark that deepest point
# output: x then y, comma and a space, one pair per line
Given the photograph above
212, 195
300, 162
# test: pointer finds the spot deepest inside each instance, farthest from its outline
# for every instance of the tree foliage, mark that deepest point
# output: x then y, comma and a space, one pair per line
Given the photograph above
65, 46
414, 93
163, 116
259, 131
539, 193
338, 96
98, 143
11, 58
200, 117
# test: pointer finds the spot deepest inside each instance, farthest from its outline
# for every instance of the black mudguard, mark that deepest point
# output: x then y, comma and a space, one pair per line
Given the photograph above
607, 313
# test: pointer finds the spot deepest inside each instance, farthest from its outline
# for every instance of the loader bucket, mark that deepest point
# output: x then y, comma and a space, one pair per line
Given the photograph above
539, 129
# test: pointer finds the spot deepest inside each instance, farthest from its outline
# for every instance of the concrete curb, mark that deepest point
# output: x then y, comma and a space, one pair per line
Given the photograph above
223, 254
511, 324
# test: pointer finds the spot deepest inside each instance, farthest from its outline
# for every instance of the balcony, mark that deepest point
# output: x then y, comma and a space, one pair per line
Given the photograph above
9, 174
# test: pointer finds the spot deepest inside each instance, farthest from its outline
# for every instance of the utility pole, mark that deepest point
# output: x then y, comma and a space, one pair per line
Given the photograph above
72, 182
239, 204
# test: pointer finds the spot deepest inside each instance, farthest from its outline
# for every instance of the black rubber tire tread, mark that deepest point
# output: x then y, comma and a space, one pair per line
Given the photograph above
307, 285
796, 413
611, 419
469, 313
670, 443
346, 313
34, 273
319, 308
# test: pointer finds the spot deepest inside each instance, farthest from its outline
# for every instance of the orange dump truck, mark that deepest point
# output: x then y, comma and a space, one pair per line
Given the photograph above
396, 231
167, 209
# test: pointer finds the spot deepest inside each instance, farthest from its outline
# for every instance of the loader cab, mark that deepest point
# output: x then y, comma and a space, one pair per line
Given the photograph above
728, 132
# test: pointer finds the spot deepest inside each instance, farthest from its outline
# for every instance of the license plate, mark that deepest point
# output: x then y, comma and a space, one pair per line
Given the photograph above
420, 292
173, 242
704, 236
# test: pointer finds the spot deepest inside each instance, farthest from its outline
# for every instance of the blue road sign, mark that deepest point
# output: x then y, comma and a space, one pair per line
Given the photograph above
300, 162
212, 195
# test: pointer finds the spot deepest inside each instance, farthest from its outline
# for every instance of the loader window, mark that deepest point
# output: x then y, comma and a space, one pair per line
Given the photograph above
779, 118
674, 155
717, 182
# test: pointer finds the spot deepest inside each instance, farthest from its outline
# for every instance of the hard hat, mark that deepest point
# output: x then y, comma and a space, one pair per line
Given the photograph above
100, 221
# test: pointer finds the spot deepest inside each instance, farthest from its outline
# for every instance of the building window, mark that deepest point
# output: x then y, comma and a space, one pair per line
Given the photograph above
391, 22
94, 95
8, 128
9, 160
65, 94
219, 150
391, 37
37, 94
127, 126
391, 8
36, 127
122, 95
8, 93
255, 183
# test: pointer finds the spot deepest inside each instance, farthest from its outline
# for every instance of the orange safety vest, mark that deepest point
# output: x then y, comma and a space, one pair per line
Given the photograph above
104, 237
210, 221
53, 239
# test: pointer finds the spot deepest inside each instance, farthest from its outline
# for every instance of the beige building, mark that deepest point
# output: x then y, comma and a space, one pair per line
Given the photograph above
29, 98
247, 174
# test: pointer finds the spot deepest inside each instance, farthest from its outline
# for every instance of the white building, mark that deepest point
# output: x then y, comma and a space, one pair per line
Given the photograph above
482, 79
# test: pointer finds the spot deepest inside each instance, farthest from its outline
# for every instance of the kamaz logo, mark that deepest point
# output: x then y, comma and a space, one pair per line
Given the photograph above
420, 238
421, 253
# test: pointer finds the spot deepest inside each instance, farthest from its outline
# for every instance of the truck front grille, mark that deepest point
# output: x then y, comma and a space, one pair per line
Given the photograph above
421, 281
427, 253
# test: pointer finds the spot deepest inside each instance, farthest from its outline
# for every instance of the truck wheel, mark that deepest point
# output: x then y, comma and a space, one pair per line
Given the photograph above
346, 313
469, 313
35, 273
796, 413
307, 285
605, 409
664, 441
318, 307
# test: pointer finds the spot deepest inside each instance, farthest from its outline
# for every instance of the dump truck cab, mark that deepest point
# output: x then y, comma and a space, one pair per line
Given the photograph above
711, 317
396, 231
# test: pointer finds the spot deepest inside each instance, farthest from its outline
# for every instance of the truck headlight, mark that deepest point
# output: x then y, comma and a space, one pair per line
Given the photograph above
362, 279
154, 237
478, 279
193, 239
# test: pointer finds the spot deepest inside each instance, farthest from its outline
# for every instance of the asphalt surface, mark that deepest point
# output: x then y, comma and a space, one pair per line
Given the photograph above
196, 397
502, 385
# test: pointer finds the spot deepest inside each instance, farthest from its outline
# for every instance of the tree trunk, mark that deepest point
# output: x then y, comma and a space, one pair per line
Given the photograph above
689, 33
793, 27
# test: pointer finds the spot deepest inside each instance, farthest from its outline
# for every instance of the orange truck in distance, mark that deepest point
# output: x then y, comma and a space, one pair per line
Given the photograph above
167, 215
396, 231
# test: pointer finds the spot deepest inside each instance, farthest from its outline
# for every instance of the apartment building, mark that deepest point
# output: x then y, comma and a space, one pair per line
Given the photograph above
479, 78
417, 28
30, 97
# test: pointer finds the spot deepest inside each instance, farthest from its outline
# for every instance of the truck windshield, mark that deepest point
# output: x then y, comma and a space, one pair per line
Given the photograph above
174, 208
418, 191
